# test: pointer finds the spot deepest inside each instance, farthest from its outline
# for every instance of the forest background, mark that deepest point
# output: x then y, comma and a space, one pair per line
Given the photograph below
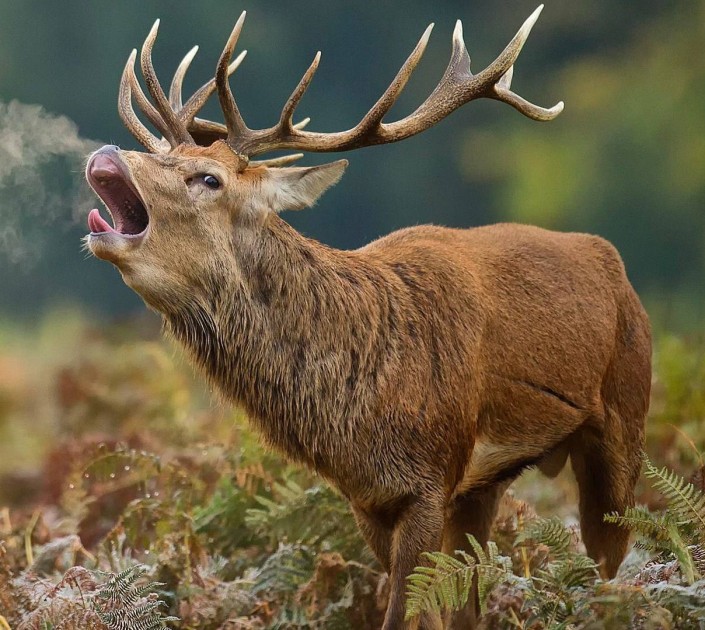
625, 160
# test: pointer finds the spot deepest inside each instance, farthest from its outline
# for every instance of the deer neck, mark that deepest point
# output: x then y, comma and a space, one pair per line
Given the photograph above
283, 338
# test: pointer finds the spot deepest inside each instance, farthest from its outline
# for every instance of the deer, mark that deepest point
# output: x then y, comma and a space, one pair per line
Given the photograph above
420, 374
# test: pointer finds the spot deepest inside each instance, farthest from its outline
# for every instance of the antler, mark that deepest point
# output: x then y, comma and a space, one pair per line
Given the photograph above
457, 86
176, 121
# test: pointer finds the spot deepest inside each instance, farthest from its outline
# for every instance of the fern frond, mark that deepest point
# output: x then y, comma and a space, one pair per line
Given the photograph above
574, 572
123, 604
640, 520
697, 552
491, 569
680, 549
683, 498
311, 516
445, 585
659, 533
119, 587
550, 532
285, 570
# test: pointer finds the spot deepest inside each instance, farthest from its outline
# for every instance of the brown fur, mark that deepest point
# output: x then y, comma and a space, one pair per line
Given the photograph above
419, 374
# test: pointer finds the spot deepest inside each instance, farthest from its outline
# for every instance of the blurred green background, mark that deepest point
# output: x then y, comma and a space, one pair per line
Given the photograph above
625, 160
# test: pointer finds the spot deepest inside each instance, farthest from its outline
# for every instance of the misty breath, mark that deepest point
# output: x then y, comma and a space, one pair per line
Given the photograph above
41, 180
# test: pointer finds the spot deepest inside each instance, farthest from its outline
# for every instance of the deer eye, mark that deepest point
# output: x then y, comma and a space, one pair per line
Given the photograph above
211, 181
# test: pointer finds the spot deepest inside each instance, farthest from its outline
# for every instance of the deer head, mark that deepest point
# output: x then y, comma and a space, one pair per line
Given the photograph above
177, 208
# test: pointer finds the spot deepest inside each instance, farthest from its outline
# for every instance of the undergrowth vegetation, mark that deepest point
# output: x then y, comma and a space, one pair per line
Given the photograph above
540, 578
131, 498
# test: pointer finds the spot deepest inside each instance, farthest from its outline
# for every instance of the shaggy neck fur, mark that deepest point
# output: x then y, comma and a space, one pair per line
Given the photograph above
296, 339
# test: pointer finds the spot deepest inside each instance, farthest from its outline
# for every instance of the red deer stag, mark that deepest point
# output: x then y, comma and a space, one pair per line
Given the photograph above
420, 374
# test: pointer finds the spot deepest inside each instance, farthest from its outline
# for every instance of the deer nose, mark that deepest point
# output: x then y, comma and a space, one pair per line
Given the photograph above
105, 165
102, 166
108, 148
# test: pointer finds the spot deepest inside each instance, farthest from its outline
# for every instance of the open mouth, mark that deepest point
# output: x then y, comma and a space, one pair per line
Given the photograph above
110, 180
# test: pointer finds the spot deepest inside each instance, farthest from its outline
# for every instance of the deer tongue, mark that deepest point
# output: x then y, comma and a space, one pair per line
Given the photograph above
98, 224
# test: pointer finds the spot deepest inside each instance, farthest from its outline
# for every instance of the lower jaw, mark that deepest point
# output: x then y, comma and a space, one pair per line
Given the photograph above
113, 246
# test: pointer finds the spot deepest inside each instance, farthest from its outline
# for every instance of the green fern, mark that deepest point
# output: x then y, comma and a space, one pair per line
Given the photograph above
549, 532
316, 516
221, 520
445, 585
680, 531
491, 569
574, 571
684, 499
448, 583
653, 531
665, 538
681, 550
555, 593
284, 571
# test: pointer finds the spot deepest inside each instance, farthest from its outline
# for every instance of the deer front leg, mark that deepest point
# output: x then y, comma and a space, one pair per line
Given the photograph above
376, 534
419, 528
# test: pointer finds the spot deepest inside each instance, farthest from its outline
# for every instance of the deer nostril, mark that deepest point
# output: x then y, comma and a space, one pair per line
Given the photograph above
108, 148
104, 169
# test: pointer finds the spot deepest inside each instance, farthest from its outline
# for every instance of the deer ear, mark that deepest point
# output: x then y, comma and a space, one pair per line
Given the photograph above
295, 188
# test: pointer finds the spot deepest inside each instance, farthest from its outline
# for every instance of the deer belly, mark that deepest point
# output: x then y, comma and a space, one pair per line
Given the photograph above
527, 424
493, 462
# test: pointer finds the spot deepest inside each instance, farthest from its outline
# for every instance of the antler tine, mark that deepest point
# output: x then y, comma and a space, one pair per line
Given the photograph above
175, 130
374, 117
143, 102
134, 125
504, 94
284, 160
458, 69
499, 73
177, 82
459, 57
198, 99
367, 131
459, 86
505, 59
296, 96
233, 120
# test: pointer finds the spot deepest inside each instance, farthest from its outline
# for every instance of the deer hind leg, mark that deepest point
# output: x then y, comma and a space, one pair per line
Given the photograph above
471, 513
606, 464
606, 453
